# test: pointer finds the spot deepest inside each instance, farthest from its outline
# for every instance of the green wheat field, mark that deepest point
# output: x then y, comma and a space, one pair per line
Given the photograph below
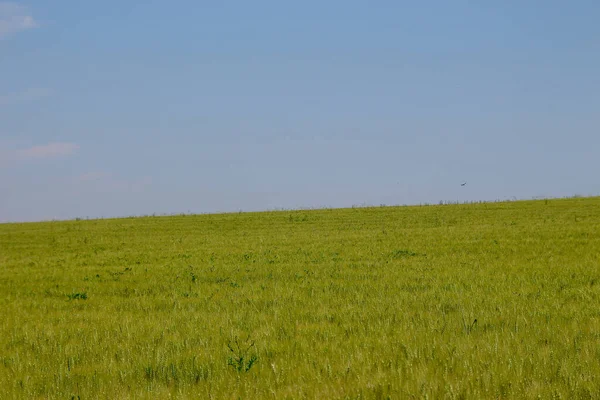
468, 301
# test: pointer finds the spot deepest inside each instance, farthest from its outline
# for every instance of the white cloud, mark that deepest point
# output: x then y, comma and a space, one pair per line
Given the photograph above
13, 19
51, 150
27, 95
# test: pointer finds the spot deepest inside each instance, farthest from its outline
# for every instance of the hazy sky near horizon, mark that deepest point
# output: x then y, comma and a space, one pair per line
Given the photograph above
116, 108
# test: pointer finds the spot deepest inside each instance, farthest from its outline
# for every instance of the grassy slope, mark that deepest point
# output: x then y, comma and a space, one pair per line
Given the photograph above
356, 302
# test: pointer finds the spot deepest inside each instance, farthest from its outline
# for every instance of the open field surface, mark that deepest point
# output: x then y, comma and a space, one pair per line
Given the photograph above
497, 300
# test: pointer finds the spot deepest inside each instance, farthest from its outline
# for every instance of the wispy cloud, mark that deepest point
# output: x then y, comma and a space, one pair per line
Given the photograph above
13, 19
25, 96
51, 150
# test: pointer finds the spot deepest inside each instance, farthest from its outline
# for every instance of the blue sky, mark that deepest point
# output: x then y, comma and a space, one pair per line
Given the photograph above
118, 108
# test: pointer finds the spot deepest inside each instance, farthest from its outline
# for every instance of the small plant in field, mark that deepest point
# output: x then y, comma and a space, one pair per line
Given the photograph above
78, 296
403, 253
192, 274
469, 326
242, 357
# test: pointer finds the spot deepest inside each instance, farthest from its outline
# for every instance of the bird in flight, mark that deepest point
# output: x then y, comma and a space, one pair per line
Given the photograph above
463, 184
